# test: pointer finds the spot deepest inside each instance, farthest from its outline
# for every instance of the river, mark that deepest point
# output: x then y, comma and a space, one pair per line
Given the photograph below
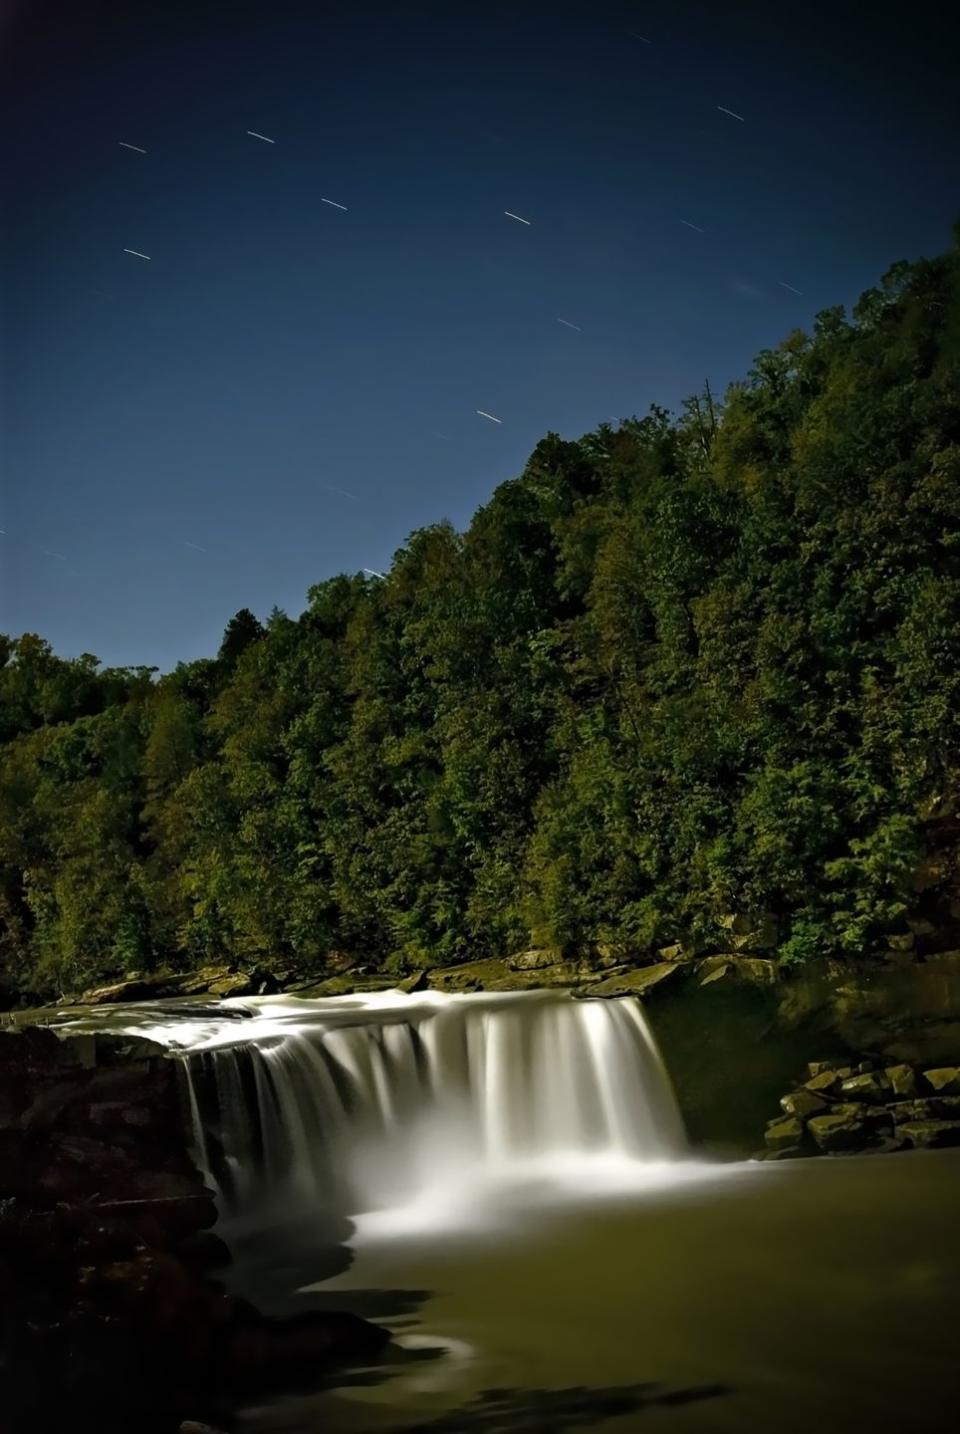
503, 1183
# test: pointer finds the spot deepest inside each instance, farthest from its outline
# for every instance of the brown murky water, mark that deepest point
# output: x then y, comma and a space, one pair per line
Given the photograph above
813, 1297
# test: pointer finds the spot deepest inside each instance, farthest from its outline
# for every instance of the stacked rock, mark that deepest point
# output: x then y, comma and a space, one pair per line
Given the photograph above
861, 1105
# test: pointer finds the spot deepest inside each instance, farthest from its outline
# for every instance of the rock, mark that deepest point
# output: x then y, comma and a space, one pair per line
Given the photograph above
198, 983
672, 953
750, 933
346, 985
945, 1080
749, 970
494, 974
823, 1083
154, 987
902, 1080
901, 943
864, 1067
262, 1351
236, 984
118, 1112
931, 1134
821, 1067
948, 958
605, 957
784, 1134
868, 1087
885, 1145
803, 1103
911, 1110
635, 983
419, 981
788, 1152
205, 1250
113, 1049
534, 959
842, 1128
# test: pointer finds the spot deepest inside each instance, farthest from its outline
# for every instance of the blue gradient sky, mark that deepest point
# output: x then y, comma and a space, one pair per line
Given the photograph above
275, 349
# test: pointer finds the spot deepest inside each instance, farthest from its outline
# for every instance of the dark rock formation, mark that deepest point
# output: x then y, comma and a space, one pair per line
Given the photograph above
109, 1319
849, 1108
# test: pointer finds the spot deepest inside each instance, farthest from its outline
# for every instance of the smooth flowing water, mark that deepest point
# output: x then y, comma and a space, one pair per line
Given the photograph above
504, 1182
392, 1107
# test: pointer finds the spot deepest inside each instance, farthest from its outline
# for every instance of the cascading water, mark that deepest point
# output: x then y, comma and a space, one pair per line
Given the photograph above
365, 1104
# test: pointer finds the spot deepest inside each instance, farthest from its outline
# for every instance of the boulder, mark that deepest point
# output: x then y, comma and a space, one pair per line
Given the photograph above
930, 1134
904, 1111
119, 1113
534, 959
750, 933
732, 967
944, 1081
842, 1128
828, 1082
787, 1152
238, 983
902, 1080
803, 1103
784, 1134
868, 1087
886, 1145
638, 982
494, 974
674, 952
417, 982
816, 1068
205, 1250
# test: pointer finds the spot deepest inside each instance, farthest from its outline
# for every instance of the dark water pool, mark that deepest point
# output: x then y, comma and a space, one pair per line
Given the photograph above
816, 1297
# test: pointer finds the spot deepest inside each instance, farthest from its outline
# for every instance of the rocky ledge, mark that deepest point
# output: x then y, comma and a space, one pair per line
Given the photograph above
862, 1106
109, 1316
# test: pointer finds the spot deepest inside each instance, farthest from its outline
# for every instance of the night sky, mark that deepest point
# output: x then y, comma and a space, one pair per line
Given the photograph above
287, 389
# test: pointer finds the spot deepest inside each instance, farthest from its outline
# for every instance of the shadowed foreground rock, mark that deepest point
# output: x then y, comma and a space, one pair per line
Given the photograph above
110, 1320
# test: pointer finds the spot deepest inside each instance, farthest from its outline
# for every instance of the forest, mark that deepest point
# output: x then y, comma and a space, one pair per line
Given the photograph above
687, 670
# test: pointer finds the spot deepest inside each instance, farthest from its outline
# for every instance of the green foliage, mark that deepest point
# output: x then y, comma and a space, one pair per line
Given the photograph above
678, 670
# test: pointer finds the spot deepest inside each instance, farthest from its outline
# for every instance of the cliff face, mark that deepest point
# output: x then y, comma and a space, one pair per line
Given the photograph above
110, 1319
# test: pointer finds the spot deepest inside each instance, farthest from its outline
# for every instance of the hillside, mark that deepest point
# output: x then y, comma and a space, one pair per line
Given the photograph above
686, 674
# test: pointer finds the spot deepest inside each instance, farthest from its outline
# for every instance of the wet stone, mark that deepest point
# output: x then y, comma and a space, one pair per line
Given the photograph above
803, 1103
944, 1081
867, 1087
902, 1080
931, 1134
783, 1134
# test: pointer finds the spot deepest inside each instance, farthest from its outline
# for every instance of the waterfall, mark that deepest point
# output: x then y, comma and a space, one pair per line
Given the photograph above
362, 1103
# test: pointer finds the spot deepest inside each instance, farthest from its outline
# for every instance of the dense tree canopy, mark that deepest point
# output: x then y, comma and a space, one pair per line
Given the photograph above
681, 671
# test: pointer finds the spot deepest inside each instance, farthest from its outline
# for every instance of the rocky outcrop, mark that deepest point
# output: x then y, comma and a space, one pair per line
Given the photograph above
211, 980
866, 1106
109, 1319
